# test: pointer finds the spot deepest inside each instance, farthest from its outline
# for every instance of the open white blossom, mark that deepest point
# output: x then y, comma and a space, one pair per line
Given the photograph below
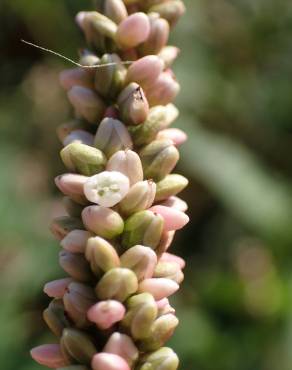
107, 188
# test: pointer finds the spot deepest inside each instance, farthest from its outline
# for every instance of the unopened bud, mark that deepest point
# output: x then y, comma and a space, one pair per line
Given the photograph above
112, 136
110, 79
142, 311
142, 260
133, 30
56, 317
145, 71
82, 158
77, 301
164, 307
133, 105
176, 203
49, 355
127, 162
109, 361
158, 287
118, 284
75, 241
159, 118
168, 257
89, 59
86, 103
169, 270
140, 197
168, 55
68, 127
96, 25
73, 209
101, 254
161, 330
171, 185
106, 313
143, 228
72, 185
57, 288
163, 91
162, 359
61, 226
173, 218
158, 159
107, 188
78, 345
165, 242
122, 345
75, 265
75, 77
172, 10
159, 33
113, 9
103, 221
177, 136
79, 136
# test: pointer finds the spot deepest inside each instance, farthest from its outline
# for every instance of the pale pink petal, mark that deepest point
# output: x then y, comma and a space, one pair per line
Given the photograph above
57, 288
176, 135
49, 355
173, 219
159, 287
109, 361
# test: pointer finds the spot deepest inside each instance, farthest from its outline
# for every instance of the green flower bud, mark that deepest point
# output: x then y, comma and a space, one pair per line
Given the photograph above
78, 345
61, 226
83, 159
172, 10
103, 221
133, 105
118, 284
73, 209
159, 118
77, 301
139, 198
141, 260
162, 359
109, 80
158, 159
76, 266
169, 270
113, 9
101, 254
141, 313
161, 330
55, 317
112, 136
169, 186
143, 228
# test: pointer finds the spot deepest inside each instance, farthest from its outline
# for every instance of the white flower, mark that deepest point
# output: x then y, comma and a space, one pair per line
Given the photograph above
107, 188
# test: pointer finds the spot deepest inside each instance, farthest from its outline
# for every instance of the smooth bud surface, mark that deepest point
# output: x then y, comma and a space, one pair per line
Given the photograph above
106, 313
122, 345
109, 361
134, 30
173, 218
49, 355
159, 287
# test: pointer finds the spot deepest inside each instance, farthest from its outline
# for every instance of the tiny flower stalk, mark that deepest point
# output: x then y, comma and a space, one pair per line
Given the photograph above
111, 310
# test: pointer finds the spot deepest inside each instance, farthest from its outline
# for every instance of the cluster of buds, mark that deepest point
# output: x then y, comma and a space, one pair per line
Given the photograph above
112, 311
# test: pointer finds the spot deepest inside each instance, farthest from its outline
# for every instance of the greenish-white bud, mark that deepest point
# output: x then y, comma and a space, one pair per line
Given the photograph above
171, 185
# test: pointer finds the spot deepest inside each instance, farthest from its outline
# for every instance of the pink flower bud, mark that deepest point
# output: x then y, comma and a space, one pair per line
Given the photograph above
159, 287
145, 71
106, 313
168, 257
57, 288
175, 202
108, 361
81, 136
75, 77
86, 103
49, 355
133, 30
168, 55
127, 162
163, 91
164, 307
72, 185
173, 219
176, 135
75, 241
122, 345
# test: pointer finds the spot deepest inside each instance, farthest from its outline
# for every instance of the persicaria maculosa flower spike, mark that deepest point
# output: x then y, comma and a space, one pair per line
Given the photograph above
111, 311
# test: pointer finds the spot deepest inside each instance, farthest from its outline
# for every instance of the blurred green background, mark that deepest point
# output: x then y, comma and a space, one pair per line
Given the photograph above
235, 68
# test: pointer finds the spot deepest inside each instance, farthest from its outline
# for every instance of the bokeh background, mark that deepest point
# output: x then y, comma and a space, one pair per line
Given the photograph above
235, 68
